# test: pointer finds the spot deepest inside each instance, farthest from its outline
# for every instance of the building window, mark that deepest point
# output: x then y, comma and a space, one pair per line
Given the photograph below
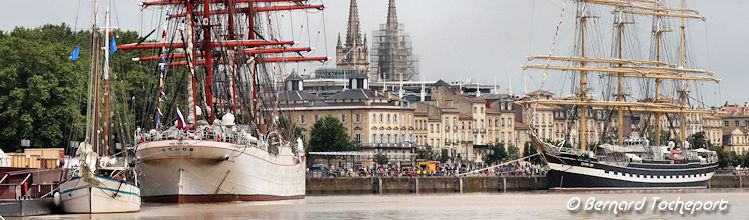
395, 118
431, 128
357, 118
482, 110
388, 118
381, 118
482, 123
496, 122
302, 119
317, 117
503, 122
737, 124
474, 110
490, 123
343, 118
726, 123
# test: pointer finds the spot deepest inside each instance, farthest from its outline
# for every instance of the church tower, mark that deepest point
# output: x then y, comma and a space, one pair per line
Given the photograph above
392, 58
354, 53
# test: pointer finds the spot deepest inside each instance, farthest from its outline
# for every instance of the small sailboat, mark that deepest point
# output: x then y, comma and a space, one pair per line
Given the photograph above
102, 183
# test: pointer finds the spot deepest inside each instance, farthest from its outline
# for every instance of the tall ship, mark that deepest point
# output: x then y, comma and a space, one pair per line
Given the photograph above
234, 144
649, 84
104, 182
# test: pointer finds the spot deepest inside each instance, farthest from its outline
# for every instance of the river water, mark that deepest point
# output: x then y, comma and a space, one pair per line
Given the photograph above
522, 205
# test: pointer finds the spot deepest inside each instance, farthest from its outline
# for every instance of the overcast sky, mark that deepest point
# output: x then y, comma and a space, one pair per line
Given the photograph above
485, 40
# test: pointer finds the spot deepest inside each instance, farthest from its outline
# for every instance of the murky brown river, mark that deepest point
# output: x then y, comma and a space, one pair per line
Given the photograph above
526, 205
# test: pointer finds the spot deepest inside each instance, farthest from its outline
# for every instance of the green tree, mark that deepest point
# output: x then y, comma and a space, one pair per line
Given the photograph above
529, 149
497, 154
426, 155
380, 159
512, 152
723, 156
328, 134
43, 93
699, 140
39, 87
443, 156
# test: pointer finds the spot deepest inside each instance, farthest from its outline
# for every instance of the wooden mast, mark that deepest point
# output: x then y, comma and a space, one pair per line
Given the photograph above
620, 76
583, 96
658, 35
105, 148
95, 81
684, 90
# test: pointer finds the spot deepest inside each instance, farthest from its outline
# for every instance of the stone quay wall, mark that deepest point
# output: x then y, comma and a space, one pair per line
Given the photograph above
451, 184
443, 184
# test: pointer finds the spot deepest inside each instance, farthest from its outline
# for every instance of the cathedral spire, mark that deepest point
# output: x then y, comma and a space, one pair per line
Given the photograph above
339, 41
353, 34
392, 22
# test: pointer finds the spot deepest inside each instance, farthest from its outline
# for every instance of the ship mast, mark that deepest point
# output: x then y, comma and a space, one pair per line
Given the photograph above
203, 21
583, 95
620, 76
658, 35
685, 85
94, 132
625, 68
106, 84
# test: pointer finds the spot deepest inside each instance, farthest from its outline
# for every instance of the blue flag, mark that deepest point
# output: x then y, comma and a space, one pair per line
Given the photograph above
112, 47
74, 54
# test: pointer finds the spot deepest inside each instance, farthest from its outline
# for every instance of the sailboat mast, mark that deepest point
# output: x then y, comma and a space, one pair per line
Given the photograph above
232, 53
582, 96
105, 147
208, 54
658, 35
683, 92
190, 51
620, 76
95, 74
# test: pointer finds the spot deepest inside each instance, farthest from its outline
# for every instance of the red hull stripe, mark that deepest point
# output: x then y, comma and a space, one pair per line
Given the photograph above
300, 162
253, 146
215, 198
185, 158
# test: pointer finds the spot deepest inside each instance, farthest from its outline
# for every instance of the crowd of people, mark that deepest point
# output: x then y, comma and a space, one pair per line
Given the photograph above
513, 169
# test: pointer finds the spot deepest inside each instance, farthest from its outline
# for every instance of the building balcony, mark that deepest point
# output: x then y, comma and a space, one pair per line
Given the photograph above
386, 145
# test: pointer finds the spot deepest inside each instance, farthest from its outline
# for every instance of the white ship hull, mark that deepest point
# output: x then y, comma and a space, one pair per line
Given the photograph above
102, 195
214, 171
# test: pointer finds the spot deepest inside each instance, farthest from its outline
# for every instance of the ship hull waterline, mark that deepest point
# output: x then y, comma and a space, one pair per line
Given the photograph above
577, 173
102, 195
188, 171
